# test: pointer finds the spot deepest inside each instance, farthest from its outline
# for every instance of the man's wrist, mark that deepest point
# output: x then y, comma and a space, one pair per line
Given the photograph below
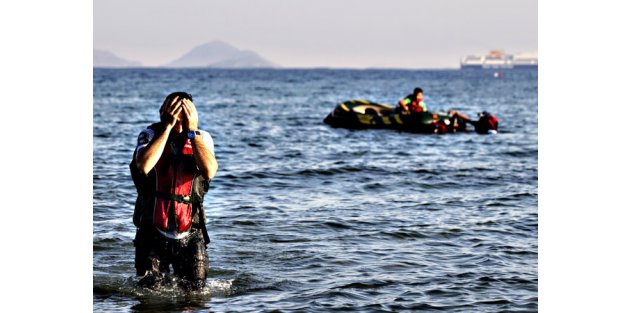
166, 126
193, 134
193, 127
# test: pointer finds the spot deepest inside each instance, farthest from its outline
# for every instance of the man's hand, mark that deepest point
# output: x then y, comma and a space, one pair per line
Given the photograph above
191, 118
403, 105
169, 112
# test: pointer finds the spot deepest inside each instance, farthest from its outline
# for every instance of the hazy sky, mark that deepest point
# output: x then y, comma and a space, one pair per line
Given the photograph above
321, 33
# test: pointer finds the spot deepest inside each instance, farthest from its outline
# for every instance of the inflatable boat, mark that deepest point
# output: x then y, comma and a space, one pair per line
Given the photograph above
362, 114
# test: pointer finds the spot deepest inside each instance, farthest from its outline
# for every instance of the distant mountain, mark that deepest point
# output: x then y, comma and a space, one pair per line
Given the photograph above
104, 58
220, 54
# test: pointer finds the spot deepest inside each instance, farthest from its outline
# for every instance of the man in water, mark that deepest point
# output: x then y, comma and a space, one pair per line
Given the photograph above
486, 124
171, 168
413, 103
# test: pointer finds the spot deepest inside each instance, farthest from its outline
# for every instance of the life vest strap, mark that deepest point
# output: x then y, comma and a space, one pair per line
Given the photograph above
186, 199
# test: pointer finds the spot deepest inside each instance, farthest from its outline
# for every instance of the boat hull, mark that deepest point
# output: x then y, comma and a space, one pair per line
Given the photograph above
363, 114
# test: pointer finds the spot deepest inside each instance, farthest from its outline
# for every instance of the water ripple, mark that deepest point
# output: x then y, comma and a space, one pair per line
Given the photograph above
303, 217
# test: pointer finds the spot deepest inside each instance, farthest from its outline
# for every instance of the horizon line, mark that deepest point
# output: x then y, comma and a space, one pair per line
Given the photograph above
312, 68
277, 68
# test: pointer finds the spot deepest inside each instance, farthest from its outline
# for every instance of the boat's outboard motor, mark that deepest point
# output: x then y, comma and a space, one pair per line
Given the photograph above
487, 123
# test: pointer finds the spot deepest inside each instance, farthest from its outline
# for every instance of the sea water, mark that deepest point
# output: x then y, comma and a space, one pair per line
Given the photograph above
303, 217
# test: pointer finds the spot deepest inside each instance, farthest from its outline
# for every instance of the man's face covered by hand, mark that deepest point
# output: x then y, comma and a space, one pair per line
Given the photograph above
180, 116
171, 111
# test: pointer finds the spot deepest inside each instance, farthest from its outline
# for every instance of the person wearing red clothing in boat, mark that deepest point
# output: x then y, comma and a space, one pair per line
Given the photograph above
413, 103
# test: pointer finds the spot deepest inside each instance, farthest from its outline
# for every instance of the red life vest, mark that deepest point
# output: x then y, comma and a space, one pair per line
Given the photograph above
493, 122
486, 123
170, 196
175, 172
440, 128
415, 105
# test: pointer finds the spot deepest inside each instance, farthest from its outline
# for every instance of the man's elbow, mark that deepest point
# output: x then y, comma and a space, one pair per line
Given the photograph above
142, 167
210, 172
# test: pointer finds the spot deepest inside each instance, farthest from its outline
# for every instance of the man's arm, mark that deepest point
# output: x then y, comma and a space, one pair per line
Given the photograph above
403, 104
205, 160
147, 157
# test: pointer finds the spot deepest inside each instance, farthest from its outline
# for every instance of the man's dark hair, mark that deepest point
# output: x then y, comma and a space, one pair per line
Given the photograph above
169, 98
181, 94
417, 91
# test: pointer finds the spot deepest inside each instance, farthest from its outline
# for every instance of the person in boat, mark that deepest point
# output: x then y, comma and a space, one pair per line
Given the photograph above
171, 168
486, 124
413, 103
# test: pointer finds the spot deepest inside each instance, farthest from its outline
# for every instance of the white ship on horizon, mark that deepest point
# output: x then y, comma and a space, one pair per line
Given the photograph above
498, 59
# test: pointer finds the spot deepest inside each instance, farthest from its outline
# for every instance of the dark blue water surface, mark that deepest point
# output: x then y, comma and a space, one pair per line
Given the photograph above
307, 218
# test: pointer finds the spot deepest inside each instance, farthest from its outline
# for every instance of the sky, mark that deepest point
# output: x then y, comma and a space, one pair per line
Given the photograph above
323, 33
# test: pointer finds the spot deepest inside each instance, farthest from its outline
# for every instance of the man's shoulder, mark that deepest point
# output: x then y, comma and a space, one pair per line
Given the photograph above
147, 135
206, 137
